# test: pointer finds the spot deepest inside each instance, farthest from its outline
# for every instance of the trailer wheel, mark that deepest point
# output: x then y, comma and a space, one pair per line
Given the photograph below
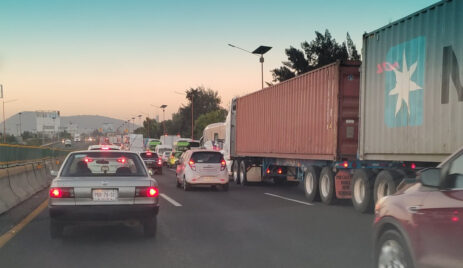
326, 186
362, 190
311, 179
243, 180
386, 183
236, 171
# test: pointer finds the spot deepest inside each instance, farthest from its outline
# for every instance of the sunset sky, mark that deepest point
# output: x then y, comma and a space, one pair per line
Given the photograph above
116, 58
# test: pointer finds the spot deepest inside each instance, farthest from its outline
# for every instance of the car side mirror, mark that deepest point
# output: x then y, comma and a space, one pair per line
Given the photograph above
430, 177
54, 173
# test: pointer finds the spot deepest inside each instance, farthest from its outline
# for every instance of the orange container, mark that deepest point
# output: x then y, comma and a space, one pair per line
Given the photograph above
312, 116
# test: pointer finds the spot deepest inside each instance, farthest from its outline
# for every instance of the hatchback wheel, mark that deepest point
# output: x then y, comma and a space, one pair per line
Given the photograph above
391, 251
186, 186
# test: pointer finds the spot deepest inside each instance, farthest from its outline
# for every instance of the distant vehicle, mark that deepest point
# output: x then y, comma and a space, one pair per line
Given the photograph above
421, 225
128, 188
165, 157
152, 144
160, 149
136, 143
103, 147
67, 143
152, 161
169, 139
173, 159
77, 137
213, 136
202, 167
183, 145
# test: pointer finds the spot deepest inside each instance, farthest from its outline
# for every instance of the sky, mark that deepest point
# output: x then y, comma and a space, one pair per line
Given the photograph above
122, 58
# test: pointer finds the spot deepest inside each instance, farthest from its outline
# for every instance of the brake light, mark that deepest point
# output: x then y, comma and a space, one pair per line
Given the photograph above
345, 164
104, 148
122, 160
192, 164
267, 171
65, 192
149, 154
413, 165
159, 161
88, 160
223, 164
279, 171
146, 192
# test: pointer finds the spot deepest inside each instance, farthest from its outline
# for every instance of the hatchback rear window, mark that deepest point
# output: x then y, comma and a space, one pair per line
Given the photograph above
206, 157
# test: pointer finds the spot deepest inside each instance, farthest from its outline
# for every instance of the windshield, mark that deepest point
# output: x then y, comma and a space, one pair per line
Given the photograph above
95, 164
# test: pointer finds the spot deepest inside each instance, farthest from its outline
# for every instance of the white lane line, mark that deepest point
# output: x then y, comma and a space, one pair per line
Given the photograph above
289, 199
170, 200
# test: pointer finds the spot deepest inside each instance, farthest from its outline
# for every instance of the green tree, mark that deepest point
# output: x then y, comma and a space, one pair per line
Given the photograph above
207, 119
321, 51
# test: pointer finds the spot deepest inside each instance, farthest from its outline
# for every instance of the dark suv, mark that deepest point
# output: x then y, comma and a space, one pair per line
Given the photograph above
152, 161
422, 224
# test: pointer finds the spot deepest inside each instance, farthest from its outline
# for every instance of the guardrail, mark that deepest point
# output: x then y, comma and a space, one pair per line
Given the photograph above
18, 155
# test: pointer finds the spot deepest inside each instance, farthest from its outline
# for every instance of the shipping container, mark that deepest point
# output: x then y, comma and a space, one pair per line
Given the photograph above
411, 93
312, 116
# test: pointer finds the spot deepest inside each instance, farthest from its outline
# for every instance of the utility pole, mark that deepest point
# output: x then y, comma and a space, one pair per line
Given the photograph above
192, 121
20, 132
4, 122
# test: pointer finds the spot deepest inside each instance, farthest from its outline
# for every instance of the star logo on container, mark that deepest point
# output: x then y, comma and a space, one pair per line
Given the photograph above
404, 84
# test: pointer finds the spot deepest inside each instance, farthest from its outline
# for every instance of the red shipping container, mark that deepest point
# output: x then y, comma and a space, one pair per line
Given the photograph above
312, 116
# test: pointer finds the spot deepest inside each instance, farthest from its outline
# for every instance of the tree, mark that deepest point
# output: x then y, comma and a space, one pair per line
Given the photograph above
319, 52
207, 119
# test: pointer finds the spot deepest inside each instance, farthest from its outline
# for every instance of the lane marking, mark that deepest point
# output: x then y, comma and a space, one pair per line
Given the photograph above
289, 199
170, 200
16, 229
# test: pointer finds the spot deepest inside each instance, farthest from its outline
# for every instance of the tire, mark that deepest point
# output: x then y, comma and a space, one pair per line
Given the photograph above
326, 186
311, 181
186, 186
179, 185
392, 251
236, 171
243, 180
56, 229
150, 227
386, 183
225, 187
362, 190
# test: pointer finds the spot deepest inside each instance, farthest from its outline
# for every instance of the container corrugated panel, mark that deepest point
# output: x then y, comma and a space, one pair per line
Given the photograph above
298, 118
411, 93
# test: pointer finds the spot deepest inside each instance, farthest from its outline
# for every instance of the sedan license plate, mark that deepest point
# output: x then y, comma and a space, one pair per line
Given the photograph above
104, 194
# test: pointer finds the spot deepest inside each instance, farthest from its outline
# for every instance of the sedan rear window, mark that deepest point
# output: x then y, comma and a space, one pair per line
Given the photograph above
207, 157
95, 164
149, 155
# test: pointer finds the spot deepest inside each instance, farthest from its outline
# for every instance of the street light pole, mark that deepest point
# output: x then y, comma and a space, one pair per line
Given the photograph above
20, 132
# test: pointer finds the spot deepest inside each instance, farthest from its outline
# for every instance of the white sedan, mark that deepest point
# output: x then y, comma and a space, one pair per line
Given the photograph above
202, 167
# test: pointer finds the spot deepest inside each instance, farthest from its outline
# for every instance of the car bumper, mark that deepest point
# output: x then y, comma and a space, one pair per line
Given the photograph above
208, 181
103, 212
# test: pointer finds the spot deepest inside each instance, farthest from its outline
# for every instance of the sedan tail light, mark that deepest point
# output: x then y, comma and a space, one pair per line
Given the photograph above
64, 192
146, 191
223, 164
159, 162
192, 164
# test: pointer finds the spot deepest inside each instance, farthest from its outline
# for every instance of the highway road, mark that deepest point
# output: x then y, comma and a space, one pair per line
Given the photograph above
251, 226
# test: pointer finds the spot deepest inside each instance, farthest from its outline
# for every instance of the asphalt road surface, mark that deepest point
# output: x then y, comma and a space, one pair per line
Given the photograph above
251, 226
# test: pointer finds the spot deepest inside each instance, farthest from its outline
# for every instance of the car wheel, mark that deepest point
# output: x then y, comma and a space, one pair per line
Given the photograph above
243, 180
179, 185
386, 183
362, 190
236, 171
186, 186
326, 186
311, 178
391, 251
56, 229
150, 226
225, 187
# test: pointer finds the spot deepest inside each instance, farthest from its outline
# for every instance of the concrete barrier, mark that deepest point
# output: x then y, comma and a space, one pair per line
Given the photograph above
7, 198
19, 183
33, 180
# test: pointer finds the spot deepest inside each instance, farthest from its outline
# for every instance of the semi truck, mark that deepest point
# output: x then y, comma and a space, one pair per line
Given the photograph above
355, 131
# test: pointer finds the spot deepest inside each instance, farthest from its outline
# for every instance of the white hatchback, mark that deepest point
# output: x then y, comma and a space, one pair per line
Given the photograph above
202, 167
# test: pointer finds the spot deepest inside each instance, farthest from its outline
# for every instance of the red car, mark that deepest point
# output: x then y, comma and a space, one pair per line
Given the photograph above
422, 224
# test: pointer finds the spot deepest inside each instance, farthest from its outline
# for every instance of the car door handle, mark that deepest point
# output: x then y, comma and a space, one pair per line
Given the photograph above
414, 209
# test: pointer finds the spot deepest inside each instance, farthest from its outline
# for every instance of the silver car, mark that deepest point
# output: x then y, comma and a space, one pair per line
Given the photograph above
103, 186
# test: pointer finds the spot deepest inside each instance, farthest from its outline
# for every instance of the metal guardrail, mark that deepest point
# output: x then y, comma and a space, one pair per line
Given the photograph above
17, 155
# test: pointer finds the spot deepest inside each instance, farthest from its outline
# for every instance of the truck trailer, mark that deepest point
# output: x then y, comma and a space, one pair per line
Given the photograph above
351, 131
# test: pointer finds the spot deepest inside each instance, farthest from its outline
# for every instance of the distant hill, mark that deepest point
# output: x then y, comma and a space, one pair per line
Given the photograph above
81, 123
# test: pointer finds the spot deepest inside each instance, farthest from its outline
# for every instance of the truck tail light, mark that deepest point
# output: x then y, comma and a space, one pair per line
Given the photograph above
192, 164
280, 171
146, 191
223, 164
64, 192
267, 171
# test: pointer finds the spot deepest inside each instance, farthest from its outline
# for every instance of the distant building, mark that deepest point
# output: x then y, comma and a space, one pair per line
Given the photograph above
41, 122
47, 122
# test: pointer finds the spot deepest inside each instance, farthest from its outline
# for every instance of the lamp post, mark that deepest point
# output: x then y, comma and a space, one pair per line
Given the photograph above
20, 132
4, 120
261, 50
163, 107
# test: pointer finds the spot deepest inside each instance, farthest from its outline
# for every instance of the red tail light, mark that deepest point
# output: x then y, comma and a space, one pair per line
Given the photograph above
146, 192
65, 192
345, 164
192, 164
88, 160
149, 154
267, 171
279, 171
159, 162
104, 148
413, 165
223, 164
122, 160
